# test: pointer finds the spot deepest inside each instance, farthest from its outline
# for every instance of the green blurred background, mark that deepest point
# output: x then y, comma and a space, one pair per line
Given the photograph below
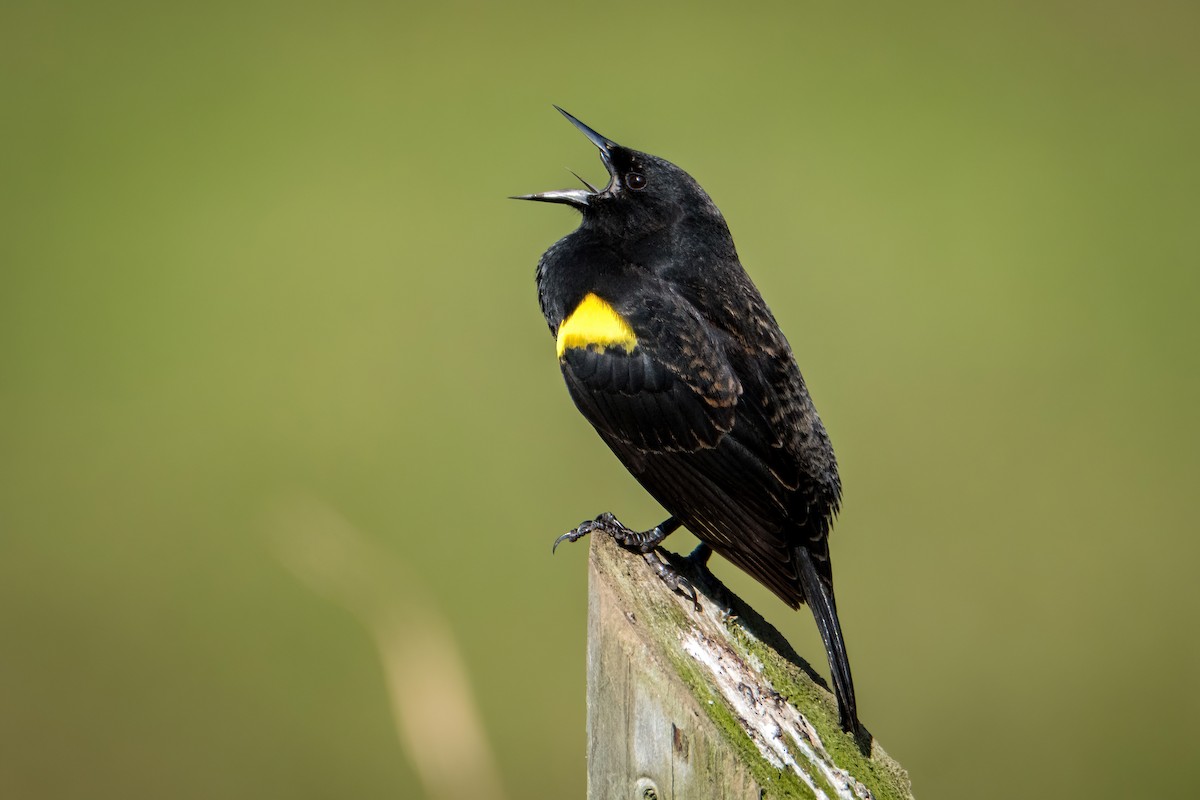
258, 273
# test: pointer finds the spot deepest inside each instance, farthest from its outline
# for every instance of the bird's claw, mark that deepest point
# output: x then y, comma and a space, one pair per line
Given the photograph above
602, 522
605, 522
569, 536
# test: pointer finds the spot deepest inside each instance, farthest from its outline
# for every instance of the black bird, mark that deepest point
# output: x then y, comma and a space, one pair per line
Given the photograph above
669, 351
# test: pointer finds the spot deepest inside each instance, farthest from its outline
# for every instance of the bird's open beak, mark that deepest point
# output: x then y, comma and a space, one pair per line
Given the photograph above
605, 144
579, 198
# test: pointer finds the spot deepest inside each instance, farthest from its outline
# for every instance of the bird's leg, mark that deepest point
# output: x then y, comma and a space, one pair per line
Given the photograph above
638, 541
698, 560
699, 556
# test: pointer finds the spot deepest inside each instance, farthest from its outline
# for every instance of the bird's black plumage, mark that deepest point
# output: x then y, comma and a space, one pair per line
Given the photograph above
670, 352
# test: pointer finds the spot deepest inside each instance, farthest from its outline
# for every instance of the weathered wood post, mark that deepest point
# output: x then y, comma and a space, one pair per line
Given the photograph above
709, 704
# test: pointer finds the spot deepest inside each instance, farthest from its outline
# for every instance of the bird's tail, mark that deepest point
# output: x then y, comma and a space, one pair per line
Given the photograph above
819, 597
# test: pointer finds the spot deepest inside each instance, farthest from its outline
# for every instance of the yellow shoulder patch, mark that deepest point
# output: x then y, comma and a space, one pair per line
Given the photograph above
595, 323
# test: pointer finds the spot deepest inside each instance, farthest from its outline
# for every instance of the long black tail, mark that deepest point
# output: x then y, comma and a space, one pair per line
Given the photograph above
820, 599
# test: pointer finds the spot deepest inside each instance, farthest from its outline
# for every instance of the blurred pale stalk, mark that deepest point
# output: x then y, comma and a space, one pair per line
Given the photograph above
432, 705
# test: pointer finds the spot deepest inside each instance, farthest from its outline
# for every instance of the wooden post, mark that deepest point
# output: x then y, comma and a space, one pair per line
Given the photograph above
709, 704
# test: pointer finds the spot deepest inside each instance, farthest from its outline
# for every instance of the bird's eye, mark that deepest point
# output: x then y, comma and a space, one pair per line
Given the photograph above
635, 181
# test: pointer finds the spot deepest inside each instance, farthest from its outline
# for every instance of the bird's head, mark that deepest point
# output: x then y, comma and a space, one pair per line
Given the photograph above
643, 192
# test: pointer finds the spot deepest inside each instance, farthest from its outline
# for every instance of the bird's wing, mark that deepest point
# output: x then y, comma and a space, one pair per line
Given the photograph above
668, 387
777, 422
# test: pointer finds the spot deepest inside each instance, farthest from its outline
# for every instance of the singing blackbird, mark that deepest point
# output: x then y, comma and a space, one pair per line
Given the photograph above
669, 351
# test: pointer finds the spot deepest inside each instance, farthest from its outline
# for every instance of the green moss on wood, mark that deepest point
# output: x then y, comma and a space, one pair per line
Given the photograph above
779, 783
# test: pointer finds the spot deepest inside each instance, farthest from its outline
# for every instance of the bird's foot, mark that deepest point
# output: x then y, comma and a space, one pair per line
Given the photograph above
638, 541
675, 581
643, 543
